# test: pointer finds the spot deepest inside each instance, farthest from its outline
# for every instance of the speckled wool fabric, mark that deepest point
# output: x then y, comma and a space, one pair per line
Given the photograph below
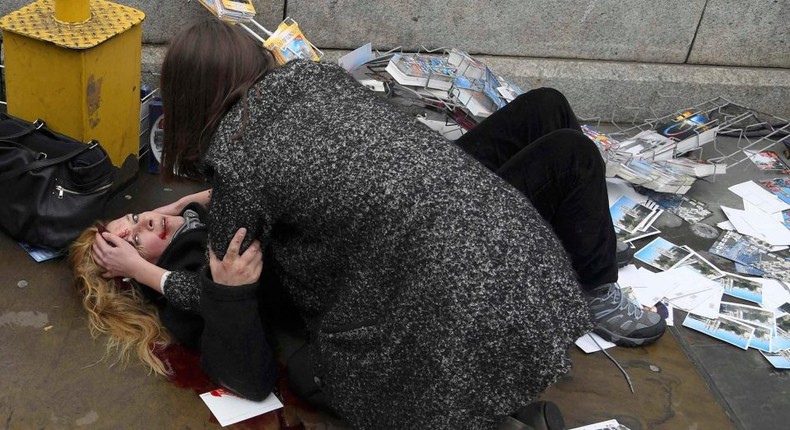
435, 295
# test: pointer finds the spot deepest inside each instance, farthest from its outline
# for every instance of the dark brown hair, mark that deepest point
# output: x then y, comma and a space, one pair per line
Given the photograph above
209, 66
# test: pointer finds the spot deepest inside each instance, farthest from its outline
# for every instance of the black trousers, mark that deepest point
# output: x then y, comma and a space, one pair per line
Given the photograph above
535, 143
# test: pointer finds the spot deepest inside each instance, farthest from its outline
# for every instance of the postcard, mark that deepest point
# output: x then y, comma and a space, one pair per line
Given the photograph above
742, 287
767, 160
229, 408
759, 197
781, 339
662, 254
702, 266
725, 329
603, 425
756, 223
688, 209
747, 270
739, 248
780, 360
775, 294
761, 339
780, 187
704, 304
629, 215
628, 237
41, 254
682, 287
751, 314
591, 342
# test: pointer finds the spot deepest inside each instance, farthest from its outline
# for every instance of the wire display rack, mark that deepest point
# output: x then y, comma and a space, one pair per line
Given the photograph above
753, 130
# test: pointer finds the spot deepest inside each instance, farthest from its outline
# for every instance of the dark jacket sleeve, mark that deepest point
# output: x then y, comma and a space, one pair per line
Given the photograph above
235, 353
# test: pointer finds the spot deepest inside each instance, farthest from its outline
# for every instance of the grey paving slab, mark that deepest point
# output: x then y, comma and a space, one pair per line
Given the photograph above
743, 33
754, 394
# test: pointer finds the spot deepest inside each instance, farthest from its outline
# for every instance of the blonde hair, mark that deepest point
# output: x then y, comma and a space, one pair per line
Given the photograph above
117, 310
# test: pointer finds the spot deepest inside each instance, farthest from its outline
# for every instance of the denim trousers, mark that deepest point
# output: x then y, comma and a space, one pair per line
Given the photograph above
535, 143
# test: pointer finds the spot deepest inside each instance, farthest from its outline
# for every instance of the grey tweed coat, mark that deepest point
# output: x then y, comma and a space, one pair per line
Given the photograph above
435, 295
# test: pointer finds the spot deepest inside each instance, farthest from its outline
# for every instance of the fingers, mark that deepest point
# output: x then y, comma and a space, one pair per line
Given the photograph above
235, 244
235, 269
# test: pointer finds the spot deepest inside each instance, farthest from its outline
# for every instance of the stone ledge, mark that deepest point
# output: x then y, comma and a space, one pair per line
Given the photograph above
611, 90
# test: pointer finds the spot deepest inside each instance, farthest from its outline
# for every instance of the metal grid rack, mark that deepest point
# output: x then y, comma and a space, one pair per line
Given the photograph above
754, 130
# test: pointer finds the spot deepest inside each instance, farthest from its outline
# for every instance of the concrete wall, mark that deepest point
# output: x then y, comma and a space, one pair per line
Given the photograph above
606, 55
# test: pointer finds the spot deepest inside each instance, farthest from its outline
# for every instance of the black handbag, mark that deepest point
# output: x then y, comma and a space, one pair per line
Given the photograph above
51, 186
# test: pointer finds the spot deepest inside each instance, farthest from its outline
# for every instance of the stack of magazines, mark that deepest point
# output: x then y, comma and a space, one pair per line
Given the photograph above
231, 10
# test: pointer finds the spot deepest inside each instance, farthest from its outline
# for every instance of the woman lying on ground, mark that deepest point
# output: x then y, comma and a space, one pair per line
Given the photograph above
147, 312
435, 294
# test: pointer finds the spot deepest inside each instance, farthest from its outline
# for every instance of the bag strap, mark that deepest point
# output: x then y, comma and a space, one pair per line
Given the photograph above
35, 125
40, 164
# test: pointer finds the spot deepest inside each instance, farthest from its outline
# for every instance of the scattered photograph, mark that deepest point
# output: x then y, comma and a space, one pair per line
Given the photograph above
41, 254
742, 287
629, 215
725, 329
782, 335
747, 270
702, 266
780, 187
662, 254
780, 360
628, 237
767, 160
688, 209
785, 308
740, 249
761, 339
751, 314
603, 425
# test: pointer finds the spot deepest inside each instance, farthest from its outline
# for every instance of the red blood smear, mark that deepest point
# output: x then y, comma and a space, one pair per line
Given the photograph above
185, 372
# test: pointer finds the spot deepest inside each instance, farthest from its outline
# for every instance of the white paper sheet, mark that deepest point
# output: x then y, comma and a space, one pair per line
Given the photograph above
229, 408
759, 197
759, 225
587, 344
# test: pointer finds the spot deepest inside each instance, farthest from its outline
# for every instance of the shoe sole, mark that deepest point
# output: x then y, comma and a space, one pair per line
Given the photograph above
626, 341
541, 415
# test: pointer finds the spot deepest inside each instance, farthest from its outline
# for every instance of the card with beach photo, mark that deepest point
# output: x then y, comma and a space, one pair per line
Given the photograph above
725, 329
751, 314
742, 287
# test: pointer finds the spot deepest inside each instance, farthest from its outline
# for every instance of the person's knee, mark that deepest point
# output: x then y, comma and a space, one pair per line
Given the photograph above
545, 96
577, 145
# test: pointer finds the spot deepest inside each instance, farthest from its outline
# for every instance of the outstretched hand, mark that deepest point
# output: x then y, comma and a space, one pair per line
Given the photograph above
237, 268
117, 256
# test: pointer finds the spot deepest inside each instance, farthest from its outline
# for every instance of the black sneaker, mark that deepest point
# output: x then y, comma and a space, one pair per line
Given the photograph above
621, 321
539, 415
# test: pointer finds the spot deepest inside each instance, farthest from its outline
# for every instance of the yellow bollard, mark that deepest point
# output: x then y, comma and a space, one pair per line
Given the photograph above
72, 11
76, 64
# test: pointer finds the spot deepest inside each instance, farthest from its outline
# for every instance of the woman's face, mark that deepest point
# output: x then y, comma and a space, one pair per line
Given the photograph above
149, 232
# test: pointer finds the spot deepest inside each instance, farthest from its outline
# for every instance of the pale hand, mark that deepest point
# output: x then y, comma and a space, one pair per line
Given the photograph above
117, 256
237, 268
